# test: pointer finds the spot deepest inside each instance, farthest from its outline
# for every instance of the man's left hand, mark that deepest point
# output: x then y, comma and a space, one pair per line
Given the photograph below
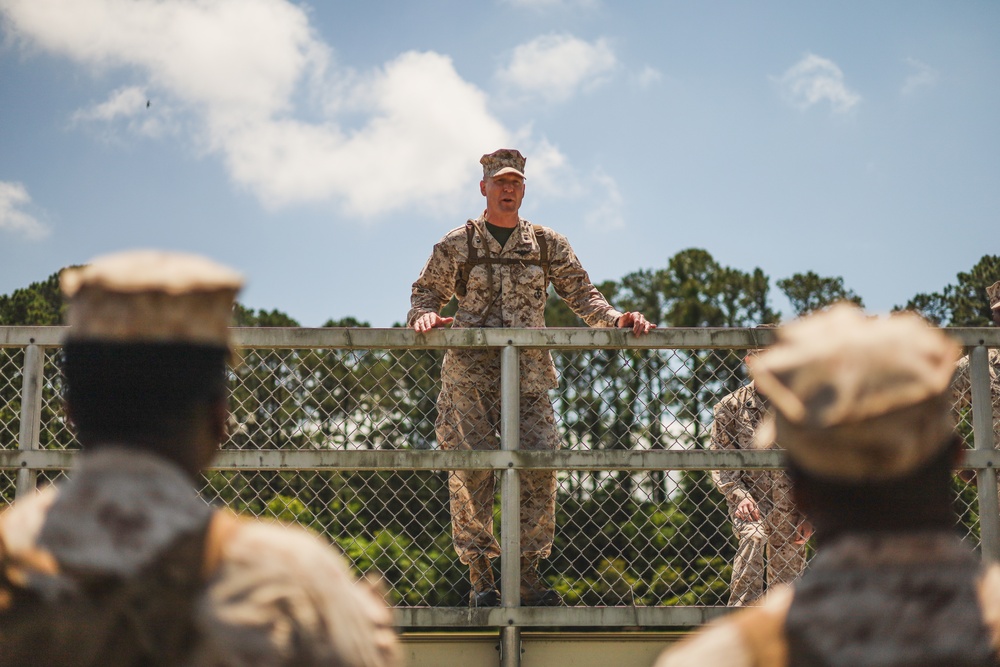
803, 532
635, 319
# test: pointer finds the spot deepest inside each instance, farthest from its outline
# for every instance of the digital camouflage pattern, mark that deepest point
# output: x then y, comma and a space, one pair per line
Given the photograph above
507, 159
469, 419
501, 295
766, 551
961, 388
893, 601
993, 295
270, 595
517, 299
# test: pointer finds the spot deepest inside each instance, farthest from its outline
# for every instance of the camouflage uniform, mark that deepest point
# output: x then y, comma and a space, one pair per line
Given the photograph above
961, 387
275, 595
501, 295
925, 597
737, 417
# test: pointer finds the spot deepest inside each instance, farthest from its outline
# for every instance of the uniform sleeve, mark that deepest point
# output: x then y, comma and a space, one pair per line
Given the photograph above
281, 597
573, 285
436, 284
724, 426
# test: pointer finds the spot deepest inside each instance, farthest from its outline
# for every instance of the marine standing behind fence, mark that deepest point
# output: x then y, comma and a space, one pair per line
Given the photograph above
499, 266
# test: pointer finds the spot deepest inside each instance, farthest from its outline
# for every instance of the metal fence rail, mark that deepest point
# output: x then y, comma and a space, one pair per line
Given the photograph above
334, 429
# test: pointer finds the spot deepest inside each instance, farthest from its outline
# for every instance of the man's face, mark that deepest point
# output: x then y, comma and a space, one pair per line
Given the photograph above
503, 193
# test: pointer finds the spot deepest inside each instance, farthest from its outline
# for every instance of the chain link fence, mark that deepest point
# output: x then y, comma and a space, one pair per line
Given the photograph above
631, 532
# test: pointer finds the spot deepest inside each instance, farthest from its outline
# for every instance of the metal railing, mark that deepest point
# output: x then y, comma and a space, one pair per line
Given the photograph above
333, 428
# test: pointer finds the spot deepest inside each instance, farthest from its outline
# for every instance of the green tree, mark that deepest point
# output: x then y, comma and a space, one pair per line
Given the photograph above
963, 304
808, 292
39, 304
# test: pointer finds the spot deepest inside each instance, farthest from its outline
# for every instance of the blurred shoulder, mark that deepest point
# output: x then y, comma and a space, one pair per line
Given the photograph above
281, 591
752, 637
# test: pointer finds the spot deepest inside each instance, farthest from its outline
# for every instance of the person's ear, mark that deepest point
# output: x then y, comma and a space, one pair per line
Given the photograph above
68, 411
220, 419
482, 187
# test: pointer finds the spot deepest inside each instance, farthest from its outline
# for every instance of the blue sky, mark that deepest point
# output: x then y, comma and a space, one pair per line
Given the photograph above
322, 148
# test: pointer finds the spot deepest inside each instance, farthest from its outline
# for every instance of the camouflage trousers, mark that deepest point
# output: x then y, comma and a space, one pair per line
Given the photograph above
469, 419
766, 551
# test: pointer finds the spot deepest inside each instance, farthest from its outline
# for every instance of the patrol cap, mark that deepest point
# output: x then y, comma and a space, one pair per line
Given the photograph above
857, 398
148, 296
993, 295
503, 161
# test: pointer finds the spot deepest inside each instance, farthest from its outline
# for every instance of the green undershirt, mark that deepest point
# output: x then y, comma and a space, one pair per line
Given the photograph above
501, 234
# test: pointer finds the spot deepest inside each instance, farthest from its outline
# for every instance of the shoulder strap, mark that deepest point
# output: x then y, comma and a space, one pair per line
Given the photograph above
543, 252
471, 259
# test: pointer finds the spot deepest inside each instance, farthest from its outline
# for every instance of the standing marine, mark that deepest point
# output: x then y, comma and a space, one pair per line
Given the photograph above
770, 532
499, 266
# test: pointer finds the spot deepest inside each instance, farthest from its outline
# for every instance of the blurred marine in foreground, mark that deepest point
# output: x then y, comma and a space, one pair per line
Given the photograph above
862, 407
123, 563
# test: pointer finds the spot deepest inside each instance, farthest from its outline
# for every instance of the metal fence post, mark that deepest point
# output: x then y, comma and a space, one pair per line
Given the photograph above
31, 413
982, 429
510, 503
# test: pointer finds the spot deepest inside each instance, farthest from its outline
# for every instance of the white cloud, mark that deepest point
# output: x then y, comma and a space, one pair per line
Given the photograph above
240, 72
608, 214
924, 76
427, 126
555, 67
14, 197
123, 102
131, 106
813, 80
647, 77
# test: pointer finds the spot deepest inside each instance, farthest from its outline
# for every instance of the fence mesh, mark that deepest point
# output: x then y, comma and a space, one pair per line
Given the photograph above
11, 365
623, 537
8, 484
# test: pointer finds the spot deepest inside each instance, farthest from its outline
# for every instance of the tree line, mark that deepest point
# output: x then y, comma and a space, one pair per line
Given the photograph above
623, 537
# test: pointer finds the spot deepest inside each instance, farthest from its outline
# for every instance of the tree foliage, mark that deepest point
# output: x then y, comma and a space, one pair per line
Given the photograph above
38, 304
964, 303
808, 292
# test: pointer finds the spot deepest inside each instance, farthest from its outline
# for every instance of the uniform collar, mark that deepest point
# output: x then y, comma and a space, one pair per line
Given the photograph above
119, 509
523, 232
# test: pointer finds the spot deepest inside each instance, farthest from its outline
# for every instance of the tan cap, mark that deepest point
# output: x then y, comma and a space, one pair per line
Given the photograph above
503, 161
150, 296
856, 397
993, 295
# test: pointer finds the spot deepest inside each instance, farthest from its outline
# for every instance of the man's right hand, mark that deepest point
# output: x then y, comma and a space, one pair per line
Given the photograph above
747, 510
429, 321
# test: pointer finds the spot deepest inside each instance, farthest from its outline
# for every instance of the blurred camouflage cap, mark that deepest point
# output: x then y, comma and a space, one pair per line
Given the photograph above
503, 161
148, 296
993, 295
857, 397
